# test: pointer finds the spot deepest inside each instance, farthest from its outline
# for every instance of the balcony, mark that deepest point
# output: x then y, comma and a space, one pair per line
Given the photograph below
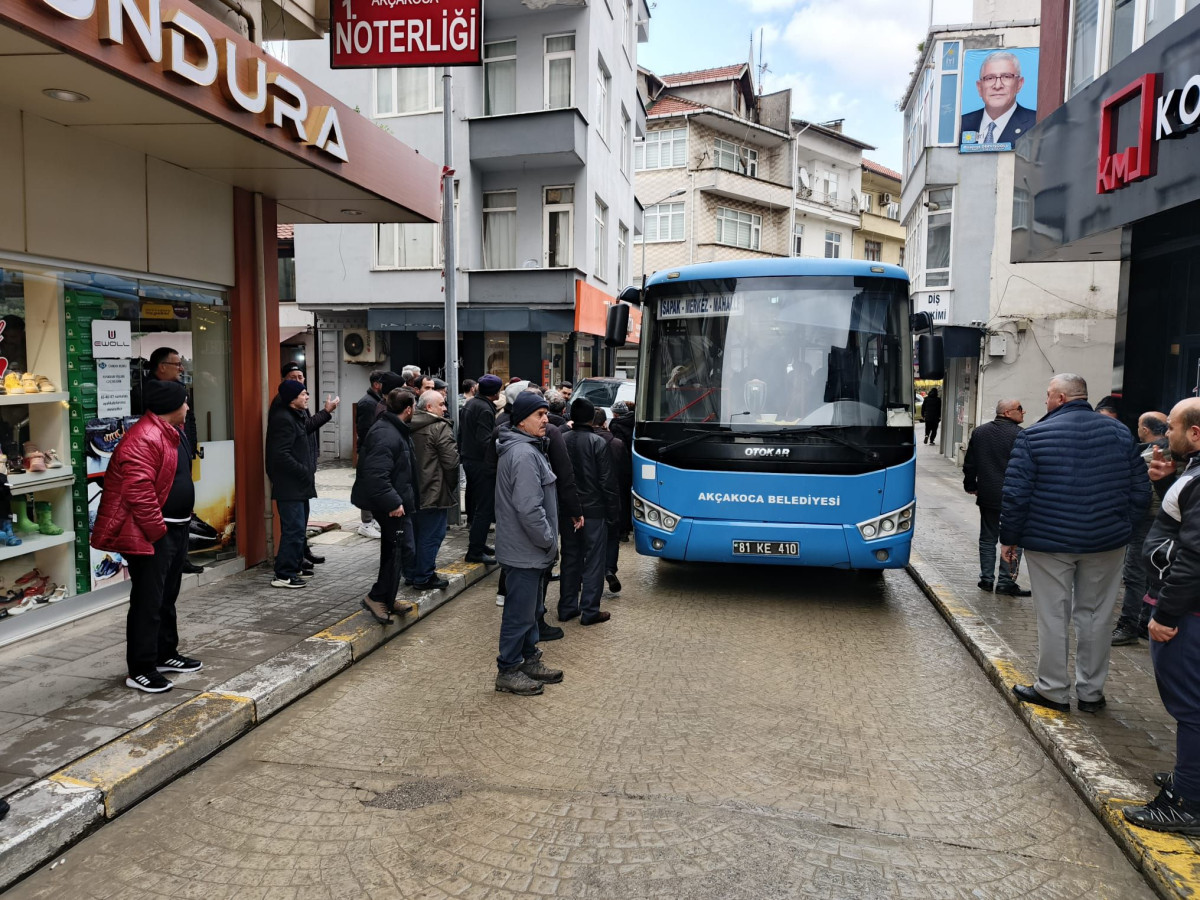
552, 138
834, 208
524, 287
736, 186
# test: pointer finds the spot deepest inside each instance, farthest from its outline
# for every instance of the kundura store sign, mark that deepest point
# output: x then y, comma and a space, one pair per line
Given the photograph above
183, 48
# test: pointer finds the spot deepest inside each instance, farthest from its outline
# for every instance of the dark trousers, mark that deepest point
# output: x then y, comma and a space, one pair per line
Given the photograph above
1134, 612
931, 430
151, 634
612, 550
989, 535
518, 626
1176, 664
431, 529
483, 491
397, 555
293, 520
584, 553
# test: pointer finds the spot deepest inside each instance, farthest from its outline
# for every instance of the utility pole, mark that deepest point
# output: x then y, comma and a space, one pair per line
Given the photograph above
451, 264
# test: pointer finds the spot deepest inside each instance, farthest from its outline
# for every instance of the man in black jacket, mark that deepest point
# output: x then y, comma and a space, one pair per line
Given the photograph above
476, 422
312, 424
289, 466
621, 426
983, 476
364, 418
584, 549
1135, 613
1172, 553
619, 457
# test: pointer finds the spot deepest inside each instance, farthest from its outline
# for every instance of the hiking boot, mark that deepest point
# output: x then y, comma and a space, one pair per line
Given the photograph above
1166, 812
515, 681
1123, 635
151, 683
614, 583
539, 671
378, 611
548, 632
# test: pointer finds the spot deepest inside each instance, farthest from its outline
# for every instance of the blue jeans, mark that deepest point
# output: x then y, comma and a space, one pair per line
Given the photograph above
1134, 612
584, 554
518, 626
989, 534
1175, 666
293, 520
431, 529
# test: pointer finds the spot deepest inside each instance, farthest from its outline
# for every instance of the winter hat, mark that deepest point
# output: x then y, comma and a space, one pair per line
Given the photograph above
621, 408
582, 411
524, 406
289, 390
162, 397
389, 382
517, 387
489, 385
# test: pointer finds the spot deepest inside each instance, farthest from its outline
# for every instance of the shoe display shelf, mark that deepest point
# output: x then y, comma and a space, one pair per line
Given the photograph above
81, 309
59, 397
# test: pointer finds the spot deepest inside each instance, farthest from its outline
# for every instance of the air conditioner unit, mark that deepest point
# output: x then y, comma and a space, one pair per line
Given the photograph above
361, 347
885, 199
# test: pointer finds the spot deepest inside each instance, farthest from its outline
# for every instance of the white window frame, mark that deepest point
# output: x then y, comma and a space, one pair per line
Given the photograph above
600, 245
547, 210
492, 61
397, 241
798, 239
657, 213
626, 146
628, 30
833, 241
603, 99
434, 96
735, 219
1104, 35
487, 211
549, 57
672, 139
622, 254
735, 157
927, 216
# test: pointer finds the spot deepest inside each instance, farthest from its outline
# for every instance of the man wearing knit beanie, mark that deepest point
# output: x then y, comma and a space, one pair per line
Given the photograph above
293, 480
144, 514
312, 423
475, 425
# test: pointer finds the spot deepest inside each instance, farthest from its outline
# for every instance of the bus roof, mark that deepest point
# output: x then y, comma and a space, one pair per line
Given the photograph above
751, 268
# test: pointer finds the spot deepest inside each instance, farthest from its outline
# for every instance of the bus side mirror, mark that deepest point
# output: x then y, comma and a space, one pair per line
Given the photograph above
931, 357
630, 295
617, 325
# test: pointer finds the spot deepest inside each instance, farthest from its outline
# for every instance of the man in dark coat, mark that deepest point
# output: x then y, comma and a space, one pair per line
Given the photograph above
1075, 485
386, 484
293, 480
476, 422
931, 415
983, 476
364, 418
623, 471
312, 424
584, 549
437, 461
621, 426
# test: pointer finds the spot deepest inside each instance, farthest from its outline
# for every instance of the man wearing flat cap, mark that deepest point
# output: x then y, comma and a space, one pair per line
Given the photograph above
293, 480
144, 514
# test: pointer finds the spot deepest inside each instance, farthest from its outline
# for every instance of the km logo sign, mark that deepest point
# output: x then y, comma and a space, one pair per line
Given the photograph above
1161, 116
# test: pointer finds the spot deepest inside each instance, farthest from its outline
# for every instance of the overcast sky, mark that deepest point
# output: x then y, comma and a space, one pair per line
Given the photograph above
843, 59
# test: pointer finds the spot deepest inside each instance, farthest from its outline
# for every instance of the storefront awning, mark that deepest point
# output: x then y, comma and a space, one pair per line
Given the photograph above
182, 87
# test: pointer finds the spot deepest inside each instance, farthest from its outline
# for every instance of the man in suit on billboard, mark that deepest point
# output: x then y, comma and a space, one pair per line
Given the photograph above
1002, 120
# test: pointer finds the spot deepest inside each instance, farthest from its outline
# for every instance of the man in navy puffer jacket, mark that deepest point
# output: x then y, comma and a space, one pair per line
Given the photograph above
1075, 485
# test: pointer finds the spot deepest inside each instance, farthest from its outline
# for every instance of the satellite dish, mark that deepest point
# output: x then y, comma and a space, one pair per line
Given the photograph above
804, 177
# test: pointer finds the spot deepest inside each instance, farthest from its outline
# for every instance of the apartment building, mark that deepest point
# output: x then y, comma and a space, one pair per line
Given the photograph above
881, 235
1007, 326
543, 157
828, 189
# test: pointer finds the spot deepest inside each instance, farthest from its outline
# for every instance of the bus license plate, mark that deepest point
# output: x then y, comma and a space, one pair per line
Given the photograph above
766, 548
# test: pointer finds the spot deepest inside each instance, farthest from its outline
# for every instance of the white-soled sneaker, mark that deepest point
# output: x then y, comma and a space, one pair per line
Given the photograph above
180, 663
151, 683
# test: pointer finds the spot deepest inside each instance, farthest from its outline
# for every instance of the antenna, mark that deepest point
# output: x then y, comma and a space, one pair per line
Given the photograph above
763, 68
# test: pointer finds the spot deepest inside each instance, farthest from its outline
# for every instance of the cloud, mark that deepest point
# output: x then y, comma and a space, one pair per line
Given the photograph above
761, 6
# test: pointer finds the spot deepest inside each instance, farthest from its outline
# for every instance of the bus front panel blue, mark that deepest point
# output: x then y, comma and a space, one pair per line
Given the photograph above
717, 512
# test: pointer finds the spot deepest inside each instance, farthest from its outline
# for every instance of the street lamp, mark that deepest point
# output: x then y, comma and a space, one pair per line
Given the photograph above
677, 193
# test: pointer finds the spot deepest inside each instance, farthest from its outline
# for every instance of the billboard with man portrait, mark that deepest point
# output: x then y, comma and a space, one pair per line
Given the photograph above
999, 98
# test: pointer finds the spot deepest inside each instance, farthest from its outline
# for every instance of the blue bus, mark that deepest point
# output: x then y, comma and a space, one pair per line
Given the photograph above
774, 414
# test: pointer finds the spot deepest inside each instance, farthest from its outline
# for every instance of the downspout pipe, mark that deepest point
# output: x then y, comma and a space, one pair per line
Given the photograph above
236, 7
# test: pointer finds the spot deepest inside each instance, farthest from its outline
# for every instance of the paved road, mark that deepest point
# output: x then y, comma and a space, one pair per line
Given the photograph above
731, 733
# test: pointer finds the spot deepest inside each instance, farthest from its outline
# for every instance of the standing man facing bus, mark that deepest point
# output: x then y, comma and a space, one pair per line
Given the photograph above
983, 475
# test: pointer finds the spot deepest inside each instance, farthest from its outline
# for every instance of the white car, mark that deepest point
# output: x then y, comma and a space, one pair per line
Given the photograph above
604, 392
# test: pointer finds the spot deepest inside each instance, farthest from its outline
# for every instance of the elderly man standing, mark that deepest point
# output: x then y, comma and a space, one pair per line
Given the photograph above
983, 476
526, 543
1075, 485
437, 468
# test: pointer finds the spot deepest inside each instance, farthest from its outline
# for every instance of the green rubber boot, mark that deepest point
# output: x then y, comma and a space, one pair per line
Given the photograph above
24, 524
45, 521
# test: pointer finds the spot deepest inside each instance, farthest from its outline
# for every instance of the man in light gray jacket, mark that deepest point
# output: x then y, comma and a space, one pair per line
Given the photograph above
526, 542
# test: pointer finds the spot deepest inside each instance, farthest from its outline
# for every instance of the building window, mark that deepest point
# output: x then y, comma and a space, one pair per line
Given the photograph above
937, 237
947, 117
663, 222
603, 93
864, 203
833, 245
901, 261
407, 246
661, 150
560, 71
627, 29
738, 229
600, 250
873, 251
1104, 32
622, 252
401, 92
831, 185
797, 239
500, 78
735, 158
893, 211
558, 209
625, 146
500, 230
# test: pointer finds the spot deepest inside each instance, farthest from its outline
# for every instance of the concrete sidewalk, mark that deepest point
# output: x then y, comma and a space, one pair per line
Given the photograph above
78, 747
1110, 758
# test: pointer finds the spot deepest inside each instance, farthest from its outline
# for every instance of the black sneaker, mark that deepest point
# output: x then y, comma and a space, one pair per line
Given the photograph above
190, 568
434, 584
180, 663
313, 558
293, 582
4, 807
985, 585
151, 683
1013, 590
1164, 779
1124, 635
614, 584
548, 632
1166, 812
307, 573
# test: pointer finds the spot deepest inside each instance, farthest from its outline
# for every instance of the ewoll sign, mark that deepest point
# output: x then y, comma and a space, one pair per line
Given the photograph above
399, 33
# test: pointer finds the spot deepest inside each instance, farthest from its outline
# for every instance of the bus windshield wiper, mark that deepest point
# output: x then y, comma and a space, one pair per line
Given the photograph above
695, 435
831, 432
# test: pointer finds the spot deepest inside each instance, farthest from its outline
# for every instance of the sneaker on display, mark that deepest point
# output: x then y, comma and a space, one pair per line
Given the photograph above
151, 683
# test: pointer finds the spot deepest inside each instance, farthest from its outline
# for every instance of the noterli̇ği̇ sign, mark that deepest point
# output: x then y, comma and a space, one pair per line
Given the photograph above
401, 33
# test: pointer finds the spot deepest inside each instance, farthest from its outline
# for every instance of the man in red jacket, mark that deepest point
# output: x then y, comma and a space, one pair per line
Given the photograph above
144, 514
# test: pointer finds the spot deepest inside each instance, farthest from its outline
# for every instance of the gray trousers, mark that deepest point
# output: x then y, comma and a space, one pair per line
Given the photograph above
1079, 589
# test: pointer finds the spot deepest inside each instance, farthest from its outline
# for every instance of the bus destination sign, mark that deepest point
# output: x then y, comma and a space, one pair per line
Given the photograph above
692, 307
382, 34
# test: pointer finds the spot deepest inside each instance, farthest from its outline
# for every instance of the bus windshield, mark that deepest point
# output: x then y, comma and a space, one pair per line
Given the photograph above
774, 351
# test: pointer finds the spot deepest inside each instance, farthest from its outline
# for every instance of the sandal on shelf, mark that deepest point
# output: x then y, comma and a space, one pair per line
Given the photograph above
57, 592
35, 459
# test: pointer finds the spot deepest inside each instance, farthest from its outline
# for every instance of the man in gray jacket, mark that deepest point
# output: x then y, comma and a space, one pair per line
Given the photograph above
526, 543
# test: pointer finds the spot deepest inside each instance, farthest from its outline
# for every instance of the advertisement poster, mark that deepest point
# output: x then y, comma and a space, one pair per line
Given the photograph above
999, 98
112, 388
111, 340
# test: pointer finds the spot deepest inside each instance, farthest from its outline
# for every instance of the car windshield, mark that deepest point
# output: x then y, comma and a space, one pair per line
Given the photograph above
601, 393
798, 351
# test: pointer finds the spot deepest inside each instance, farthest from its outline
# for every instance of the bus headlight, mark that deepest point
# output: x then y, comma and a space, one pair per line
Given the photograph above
645, 511
900, 520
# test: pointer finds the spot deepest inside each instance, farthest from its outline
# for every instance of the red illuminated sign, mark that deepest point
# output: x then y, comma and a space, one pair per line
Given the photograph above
1117, 168
385, 34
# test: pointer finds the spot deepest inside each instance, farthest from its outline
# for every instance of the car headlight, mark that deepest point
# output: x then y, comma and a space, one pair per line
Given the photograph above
888, 524
645, 511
